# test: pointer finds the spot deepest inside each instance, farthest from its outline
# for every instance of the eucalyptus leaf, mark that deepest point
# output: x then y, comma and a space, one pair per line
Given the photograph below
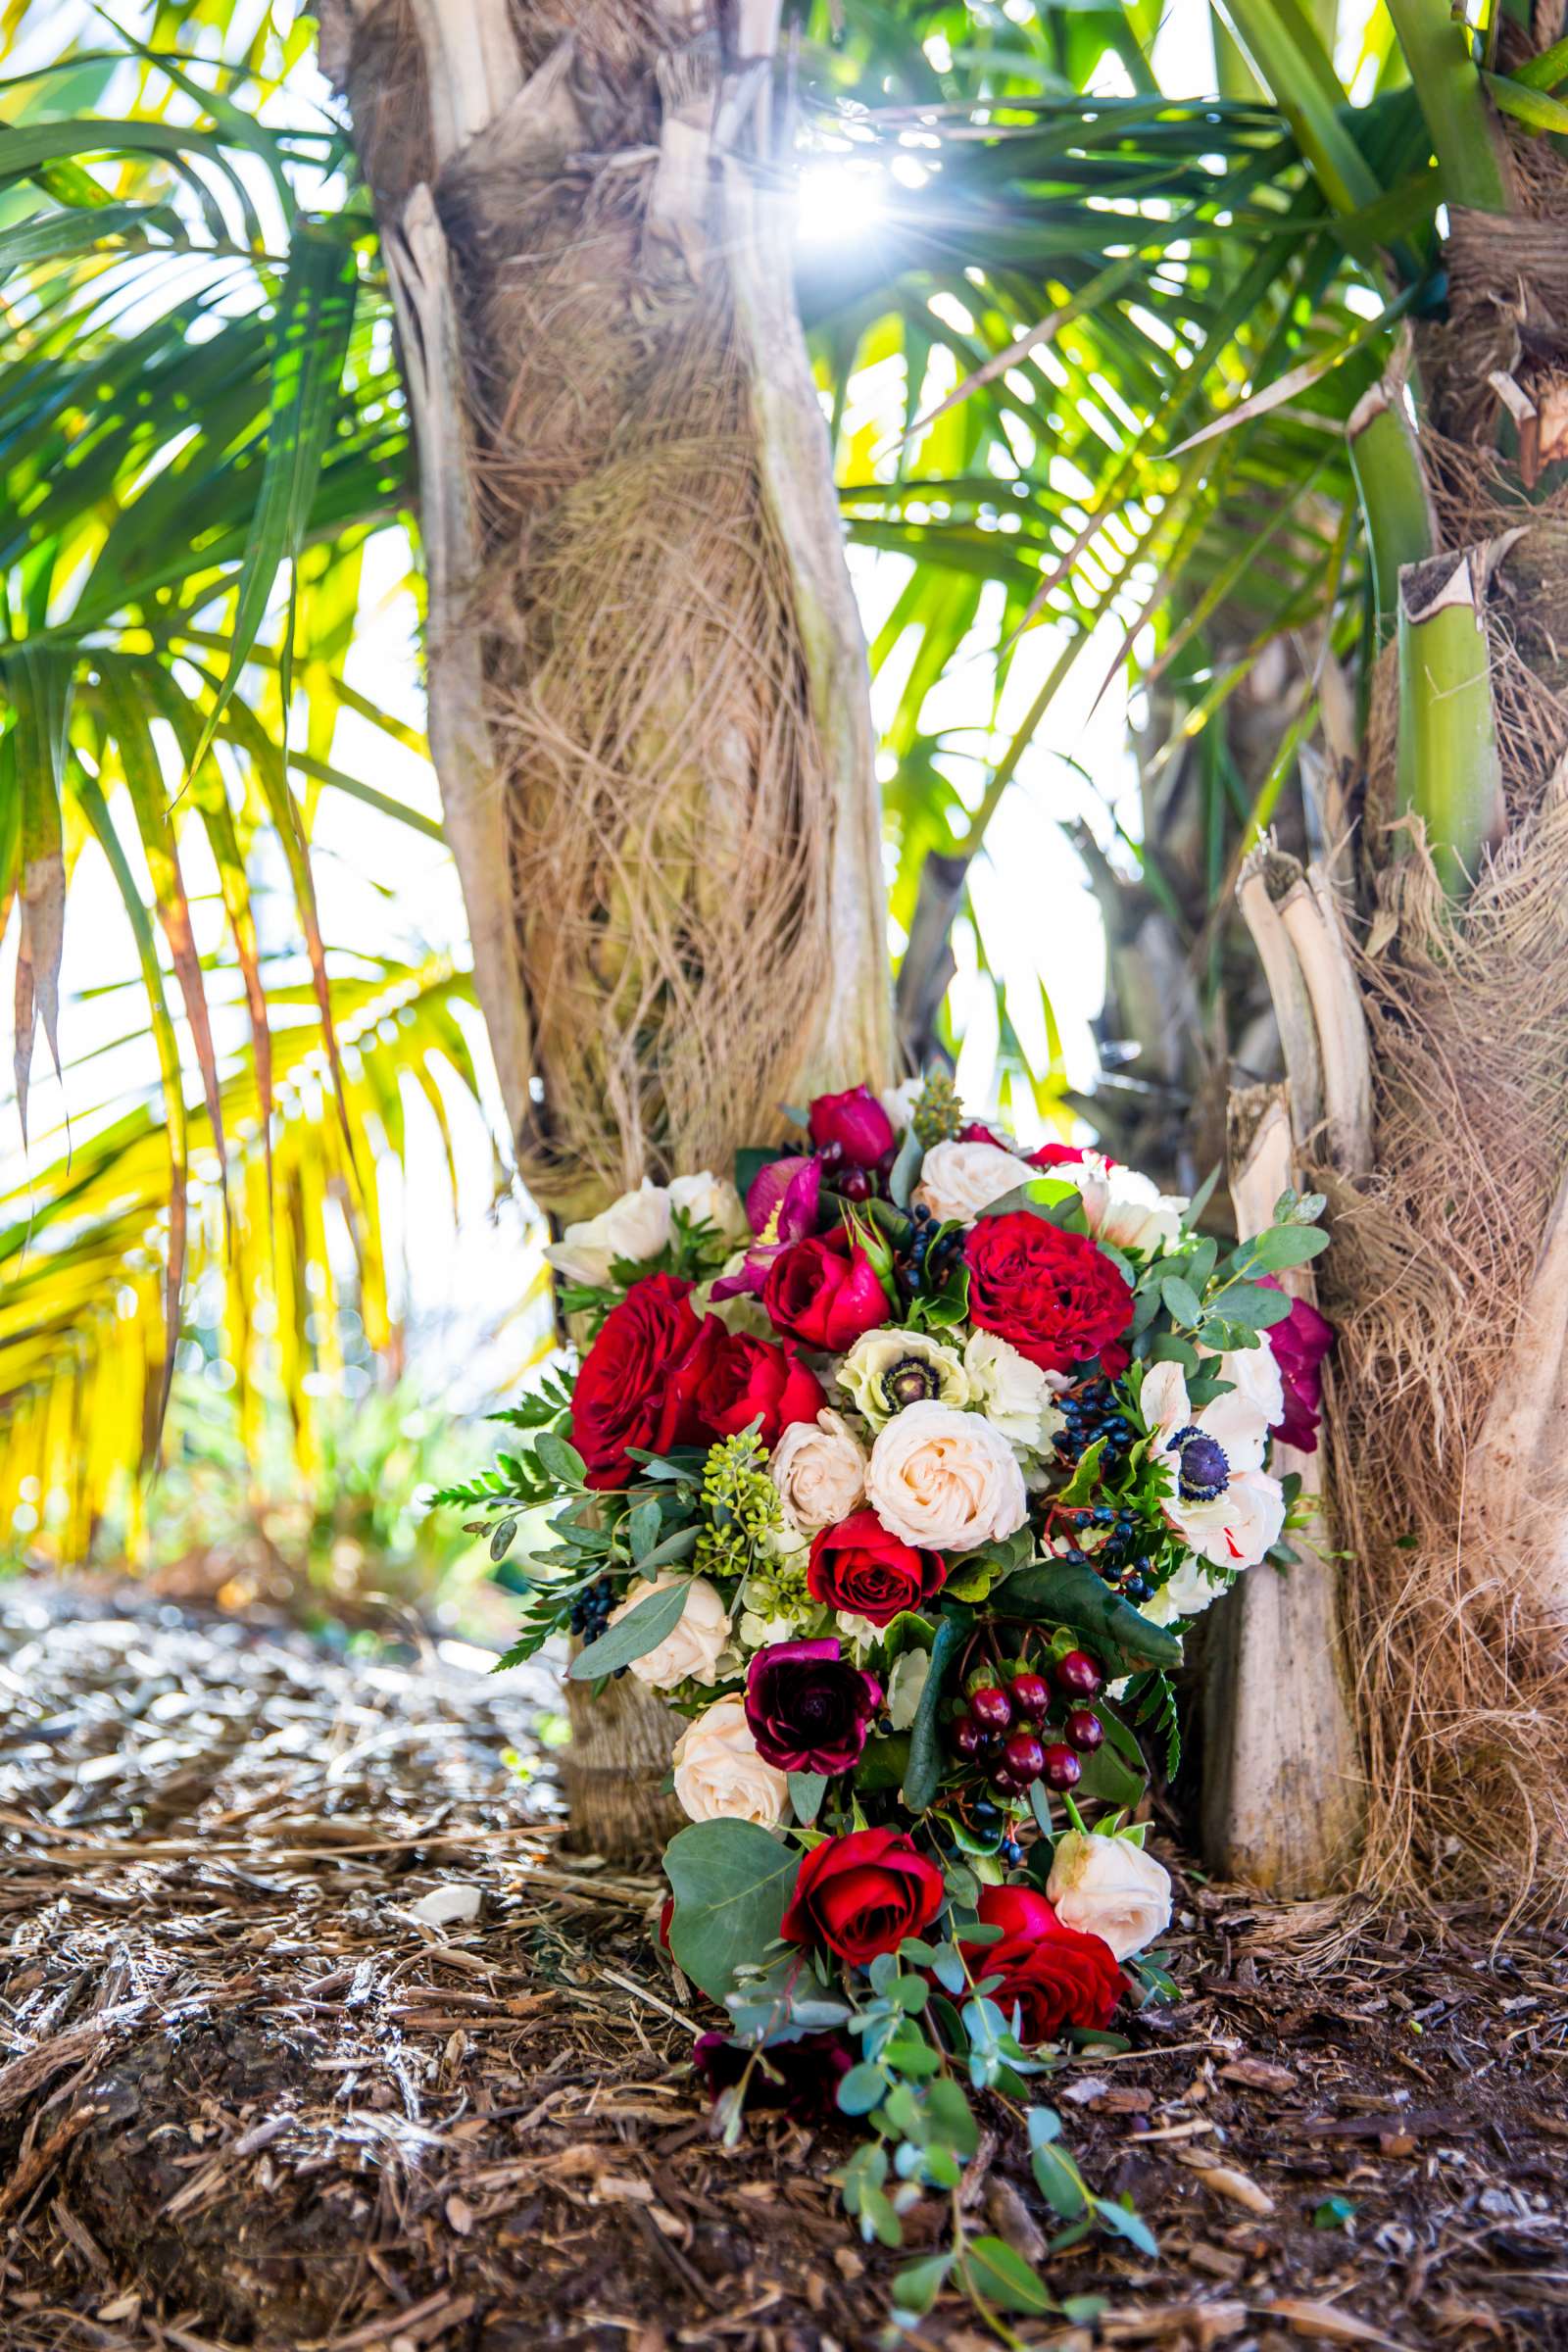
556, 1456
732, 1882
806, 1792
641, 1630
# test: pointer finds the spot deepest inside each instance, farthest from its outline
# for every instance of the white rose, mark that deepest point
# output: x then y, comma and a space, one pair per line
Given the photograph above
690, 1651
886, 1371
636, 1226
1107, 1887
905, 1684
720, 1775
1123, 1208
818, 1468
959, 1180
944, 1479
1014, 1394
711, 1200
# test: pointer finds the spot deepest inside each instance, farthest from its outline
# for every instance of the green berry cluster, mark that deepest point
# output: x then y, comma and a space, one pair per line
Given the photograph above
740, 1505
776, 1591
938, 1115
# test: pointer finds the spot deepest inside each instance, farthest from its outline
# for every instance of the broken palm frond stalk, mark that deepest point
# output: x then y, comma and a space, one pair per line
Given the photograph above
1448, 772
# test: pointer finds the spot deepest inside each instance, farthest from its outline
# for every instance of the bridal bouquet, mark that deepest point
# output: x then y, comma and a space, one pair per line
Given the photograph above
894, 1472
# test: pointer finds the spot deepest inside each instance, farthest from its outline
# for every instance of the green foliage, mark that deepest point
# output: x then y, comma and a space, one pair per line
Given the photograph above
730, 1882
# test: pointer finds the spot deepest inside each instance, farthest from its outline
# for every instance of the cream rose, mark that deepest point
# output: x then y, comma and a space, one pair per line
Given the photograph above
886, 1371
1014, 1395
818, 1468
959, 1180
1109, 1887
720, 1775
944, 1479
711, 1200
690, 1651
636, 1226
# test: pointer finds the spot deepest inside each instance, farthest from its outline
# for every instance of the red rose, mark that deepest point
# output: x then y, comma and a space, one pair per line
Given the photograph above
731, 1379
859, 1567
1060, 1155
627, 1394
862, 1894
1051, 1974
1054, 1295
857, 1123
824, 1292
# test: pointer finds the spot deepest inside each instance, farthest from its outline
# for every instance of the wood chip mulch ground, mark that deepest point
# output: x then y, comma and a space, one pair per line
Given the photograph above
258, 2087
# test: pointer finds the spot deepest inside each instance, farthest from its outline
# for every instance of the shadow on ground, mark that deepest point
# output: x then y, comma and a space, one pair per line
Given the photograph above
252, 2094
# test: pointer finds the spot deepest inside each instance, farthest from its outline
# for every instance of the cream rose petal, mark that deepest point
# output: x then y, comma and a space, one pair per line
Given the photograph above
1109, 1887
944, 1479
818, 1468
720, 1775
959, 1180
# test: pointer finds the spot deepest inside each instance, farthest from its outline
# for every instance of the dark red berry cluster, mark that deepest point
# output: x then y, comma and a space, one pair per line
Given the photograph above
1030, 1729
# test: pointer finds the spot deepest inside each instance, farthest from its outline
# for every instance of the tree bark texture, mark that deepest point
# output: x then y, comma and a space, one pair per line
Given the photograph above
648, 689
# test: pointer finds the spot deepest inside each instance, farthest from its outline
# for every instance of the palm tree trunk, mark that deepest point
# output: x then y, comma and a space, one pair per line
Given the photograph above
647, 679
1426, 1028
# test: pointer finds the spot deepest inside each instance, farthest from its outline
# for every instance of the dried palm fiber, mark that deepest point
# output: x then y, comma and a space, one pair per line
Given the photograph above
1462, 1650
669, 807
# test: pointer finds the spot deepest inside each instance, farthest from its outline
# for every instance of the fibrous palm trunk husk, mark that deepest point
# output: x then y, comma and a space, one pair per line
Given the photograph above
1447, 1275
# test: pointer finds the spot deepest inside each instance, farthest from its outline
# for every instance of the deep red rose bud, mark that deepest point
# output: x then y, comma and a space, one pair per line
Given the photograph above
1078, 1675
1053, 1975
1084, 1730
857, 1123
1030, 1694
799, 2078
1018, 1911
975, 1131
859, 1567
824, 1292
861, 1894
730, 1379
1061, 1769
991, 1707
1025, 1757
627, 1394
808, 1707
1054, 1296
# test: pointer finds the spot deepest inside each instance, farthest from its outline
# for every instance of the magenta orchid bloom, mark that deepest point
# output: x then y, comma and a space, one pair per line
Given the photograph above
781, 1208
